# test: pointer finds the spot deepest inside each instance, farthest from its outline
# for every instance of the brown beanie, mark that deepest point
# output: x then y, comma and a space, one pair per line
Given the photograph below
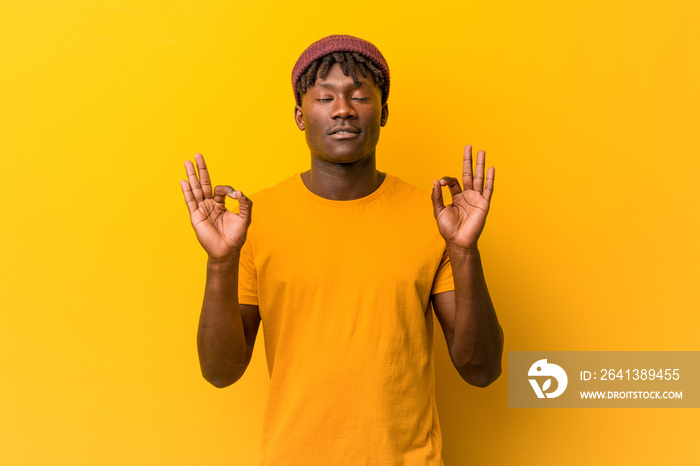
339, 43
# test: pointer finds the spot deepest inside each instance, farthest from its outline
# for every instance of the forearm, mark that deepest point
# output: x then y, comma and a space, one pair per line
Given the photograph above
221, 338
477, 345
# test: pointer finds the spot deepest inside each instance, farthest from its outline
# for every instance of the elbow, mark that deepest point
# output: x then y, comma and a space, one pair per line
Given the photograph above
220, 383
481, 376
220, 377
221, 380
222, 368
486, 371
479, 373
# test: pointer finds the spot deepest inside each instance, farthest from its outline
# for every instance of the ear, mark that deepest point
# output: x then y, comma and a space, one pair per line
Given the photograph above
299, 117
385, 113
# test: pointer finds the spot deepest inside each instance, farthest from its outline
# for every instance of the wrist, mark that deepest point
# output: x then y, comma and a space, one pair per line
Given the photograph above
459, 252
225, 262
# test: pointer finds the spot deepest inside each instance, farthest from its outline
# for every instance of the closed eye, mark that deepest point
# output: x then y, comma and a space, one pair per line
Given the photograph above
324, 100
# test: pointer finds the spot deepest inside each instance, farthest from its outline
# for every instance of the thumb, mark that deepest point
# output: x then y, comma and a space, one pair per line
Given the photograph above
245, 207
438, 204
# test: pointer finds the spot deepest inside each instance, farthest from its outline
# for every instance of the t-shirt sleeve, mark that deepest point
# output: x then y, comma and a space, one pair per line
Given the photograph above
443, 278
247, 276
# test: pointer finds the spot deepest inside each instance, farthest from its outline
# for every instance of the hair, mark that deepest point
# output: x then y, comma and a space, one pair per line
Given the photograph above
350, 62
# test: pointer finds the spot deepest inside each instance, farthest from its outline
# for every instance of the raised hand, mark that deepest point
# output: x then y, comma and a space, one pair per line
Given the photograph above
220, 231
462, 222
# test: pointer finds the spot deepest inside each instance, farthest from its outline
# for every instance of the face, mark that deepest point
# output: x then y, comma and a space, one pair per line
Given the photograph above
341, 120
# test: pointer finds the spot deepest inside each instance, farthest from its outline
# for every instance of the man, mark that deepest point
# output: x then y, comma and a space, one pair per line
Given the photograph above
342, 264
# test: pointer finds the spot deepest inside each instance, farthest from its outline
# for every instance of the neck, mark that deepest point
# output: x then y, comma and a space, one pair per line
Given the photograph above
343, 181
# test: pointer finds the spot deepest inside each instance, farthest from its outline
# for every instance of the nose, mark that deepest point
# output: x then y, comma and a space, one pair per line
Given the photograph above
343, 109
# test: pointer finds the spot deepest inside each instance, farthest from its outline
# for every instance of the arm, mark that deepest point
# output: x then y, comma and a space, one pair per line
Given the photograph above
469, 322
227, 329
467, 316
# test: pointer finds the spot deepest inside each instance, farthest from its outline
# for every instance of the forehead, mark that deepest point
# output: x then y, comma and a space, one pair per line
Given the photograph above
335, 78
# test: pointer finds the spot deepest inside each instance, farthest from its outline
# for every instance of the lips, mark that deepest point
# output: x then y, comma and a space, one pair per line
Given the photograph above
344, 130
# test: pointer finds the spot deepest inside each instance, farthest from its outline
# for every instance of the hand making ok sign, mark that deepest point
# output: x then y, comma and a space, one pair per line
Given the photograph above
462, 222
219, 231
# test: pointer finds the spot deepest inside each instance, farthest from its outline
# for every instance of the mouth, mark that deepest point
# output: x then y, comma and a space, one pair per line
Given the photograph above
343, 135
344, 130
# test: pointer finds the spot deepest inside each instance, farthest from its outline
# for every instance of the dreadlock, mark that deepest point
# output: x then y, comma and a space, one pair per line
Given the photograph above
350, 63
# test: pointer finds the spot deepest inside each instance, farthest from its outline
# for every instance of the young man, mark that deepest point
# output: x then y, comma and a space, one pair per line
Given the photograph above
342, 264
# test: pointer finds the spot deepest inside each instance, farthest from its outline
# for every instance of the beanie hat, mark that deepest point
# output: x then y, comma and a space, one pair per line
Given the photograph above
339, 43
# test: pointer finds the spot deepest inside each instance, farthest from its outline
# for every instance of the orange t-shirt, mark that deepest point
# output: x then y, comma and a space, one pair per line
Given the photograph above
343, 289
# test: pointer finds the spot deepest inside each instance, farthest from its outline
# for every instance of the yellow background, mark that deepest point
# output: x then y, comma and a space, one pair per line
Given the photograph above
589, 110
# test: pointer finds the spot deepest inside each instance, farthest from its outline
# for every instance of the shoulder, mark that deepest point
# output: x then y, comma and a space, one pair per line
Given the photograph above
401, 185
277, 198
276, 204
274, 192
407, 193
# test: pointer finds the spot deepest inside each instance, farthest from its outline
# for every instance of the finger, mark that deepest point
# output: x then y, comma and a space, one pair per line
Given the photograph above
452, 184
488, 187
189, 197
479, 171
194, 182
203, 175
436, 196
245, 207
467, 167
220, 193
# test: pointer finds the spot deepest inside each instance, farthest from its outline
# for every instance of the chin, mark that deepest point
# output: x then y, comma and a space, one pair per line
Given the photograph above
341, 158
